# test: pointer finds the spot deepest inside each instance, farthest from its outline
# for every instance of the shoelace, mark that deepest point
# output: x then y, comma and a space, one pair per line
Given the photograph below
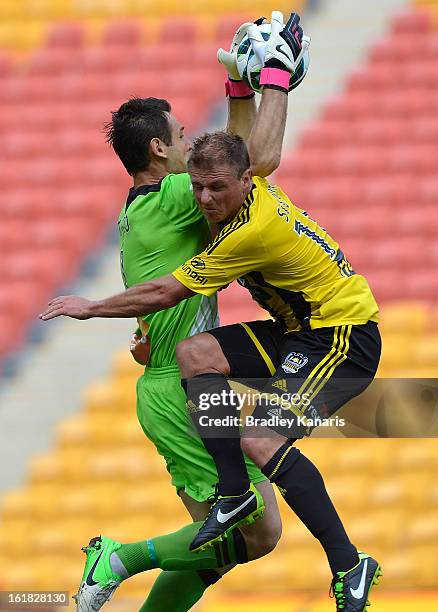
337, 591
212, 500
95, 543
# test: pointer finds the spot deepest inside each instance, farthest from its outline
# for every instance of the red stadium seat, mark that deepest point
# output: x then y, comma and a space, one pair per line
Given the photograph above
427, 190
27, 203
54, 61
376, 78
422, 285
419, 220
387, 285
411, 22
99, 203
12, 332
179, 30
394, 50
76, 236
126, 33
12, 235
19, 144
226, 27
424, 129
22, 298
70, 35
5, 65
43, 268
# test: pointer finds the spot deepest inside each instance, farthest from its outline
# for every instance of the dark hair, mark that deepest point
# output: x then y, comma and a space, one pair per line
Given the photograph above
132, 128
219, 148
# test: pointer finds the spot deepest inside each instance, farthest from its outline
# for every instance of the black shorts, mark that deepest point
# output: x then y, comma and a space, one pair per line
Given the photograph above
313, 373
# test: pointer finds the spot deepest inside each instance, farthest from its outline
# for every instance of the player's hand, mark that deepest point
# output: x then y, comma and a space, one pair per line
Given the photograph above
140, 348
286, 44
68, 306
228, 58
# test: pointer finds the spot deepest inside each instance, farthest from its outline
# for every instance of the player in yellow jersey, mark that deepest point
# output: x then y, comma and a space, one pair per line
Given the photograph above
324, 330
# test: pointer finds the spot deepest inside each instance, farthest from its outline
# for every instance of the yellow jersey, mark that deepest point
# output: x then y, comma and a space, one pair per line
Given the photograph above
289, 264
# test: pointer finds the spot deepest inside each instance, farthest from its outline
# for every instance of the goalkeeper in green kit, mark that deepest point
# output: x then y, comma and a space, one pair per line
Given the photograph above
160, 227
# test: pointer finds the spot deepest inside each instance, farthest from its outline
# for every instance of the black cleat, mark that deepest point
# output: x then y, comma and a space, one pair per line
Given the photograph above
227, 513
351, 589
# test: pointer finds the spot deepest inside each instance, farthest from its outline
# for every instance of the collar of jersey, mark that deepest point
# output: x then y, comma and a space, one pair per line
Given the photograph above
134, 192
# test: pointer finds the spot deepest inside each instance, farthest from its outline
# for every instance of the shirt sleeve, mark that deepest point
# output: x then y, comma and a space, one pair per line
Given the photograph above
233, 253
178, 201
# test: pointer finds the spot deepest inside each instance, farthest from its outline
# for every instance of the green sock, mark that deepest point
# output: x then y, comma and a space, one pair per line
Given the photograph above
176, 591
171, 552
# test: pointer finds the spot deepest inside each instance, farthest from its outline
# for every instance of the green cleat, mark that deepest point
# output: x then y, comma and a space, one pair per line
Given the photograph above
98, 581
227, 513
351, 589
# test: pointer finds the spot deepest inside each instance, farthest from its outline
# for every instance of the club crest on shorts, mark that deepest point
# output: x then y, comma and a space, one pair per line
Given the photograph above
294, 362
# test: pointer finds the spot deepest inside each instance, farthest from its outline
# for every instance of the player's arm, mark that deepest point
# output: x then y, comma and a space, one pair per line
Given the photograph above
280, 57
266, 139
137, 301
242, 108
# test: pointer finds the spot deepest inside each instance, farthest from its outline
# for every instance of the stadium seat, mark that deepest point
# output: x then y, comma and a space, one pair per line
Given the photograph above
126, 33
226, 27
67, 35
405, 317
411, 22
179, 30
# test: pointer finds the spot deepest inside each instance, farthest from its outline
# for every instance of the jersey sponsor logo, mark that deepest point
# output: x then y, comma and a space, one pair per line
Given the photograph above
283, 209
202, 280
198, 263
302, 229
294, 362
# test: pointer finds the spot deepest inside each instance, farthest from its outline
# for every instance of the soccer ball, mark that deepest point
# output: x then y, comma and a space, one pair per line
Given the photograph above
249, 66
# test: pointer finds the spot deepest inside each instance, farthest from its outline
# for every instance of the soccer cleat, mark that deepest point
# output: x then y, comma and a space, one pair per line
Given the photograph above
227, 513
351, 589
98, 581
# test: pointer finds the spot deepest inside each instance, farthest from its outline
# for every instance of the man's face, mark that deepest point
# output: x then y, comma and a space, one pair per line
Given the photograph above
219, 192
178, 151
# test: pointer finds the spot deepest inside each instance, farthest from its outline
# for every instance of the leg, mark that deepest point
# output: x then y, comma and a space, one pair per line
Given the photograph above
303, 489
180, 590
204, 369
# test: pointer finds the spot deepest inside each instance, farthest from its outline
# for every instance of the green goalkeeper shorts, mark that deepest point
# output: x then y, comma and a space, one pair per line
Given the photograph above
162, 412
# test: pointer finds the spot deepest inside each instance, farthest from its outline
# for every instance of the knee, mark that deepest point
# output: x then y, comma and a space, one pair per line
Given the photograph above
200, 354
271, 539
255, 449
187, 357
261, 544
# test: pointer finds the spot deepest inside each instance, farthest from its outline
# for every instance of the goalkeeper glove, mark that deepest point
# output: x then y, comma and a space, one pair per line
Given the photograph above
228, 58
285, 50
234, 87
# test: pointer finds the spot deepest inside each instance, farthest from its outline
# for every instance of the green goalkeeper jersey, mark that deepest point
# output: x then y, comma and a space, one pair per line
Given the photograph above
160, 227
